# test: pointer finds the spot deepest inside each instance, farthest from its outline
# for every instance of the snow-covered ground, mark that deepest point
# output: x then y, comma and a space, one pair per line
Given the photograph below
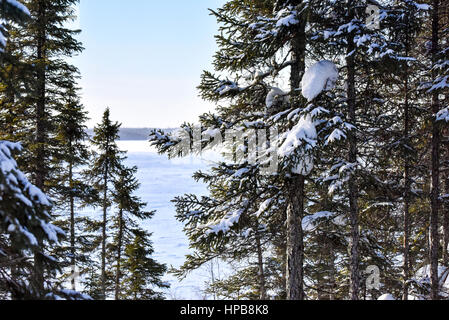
162, 180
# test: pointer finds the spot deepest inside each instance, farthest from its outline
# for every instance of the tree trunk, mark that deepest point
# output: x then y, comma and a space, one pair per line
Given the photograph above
445, 22
353, 187
40, 165
104, 224
119, 256
295, 209
332, 280
72, 221
435, 194
295, 244
446, 222
262, 289
406, 245
41, 126
407, 181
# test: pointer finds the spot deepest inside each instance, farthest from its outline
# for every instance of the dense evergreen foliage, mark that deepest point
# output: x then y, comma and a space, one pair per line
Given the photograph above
46, 244
332, 118
362, 180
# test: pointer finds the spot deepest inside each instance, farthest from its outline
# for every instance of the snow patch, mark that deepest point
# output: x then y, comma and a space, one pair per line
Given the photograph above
443, 115
322, 76
303, 135
287, 17
386, 296
276, 97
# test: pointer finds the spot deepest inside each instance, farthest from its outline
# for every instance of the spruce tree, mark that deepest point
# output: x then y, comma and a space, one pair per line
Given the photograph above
107, 164
47, 43
235, 223
72, 191
142, 274
369, 146
438, 72
255, 36
42, 46
402, 141
24, 217
129, 208
14, 71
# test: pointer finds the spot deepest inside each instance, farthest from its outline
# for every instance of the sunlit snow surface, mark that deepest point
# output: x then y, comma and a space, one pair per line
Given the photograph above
162, 180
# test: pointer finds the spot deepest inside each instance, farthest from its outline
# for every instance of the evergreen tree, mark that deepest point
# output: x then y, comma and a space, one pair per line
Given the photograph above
47, 42
365, 141
13, 72
129, 208
234, 224
25, 218
255, 36
72, 191
107, 164
42, 46
438, 73
142, 273
401, 142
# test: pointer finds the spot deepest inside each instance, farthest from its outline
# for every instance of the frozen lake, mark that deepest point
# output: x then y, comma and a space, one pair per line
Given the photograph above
161, 181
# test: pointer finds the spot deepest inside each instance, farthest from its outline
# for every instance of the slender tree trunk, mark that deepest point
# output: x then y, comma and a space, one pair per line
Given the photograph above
295, 209
320, 280
446, 222
72, 221
445, 22
406, 245
435, 194
212, 277
119, 255
353, 187
262, 289
295, 244
104, 226
332, 281
407, 182
41, 128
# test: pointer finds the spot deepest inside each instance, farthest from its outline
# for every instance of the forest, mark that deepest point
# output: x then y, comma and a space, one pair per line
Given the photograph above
332, 122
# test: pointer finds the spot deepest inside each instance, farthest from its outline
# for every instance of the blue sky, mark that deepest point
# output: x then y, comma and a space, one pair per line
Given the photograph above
144, 59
